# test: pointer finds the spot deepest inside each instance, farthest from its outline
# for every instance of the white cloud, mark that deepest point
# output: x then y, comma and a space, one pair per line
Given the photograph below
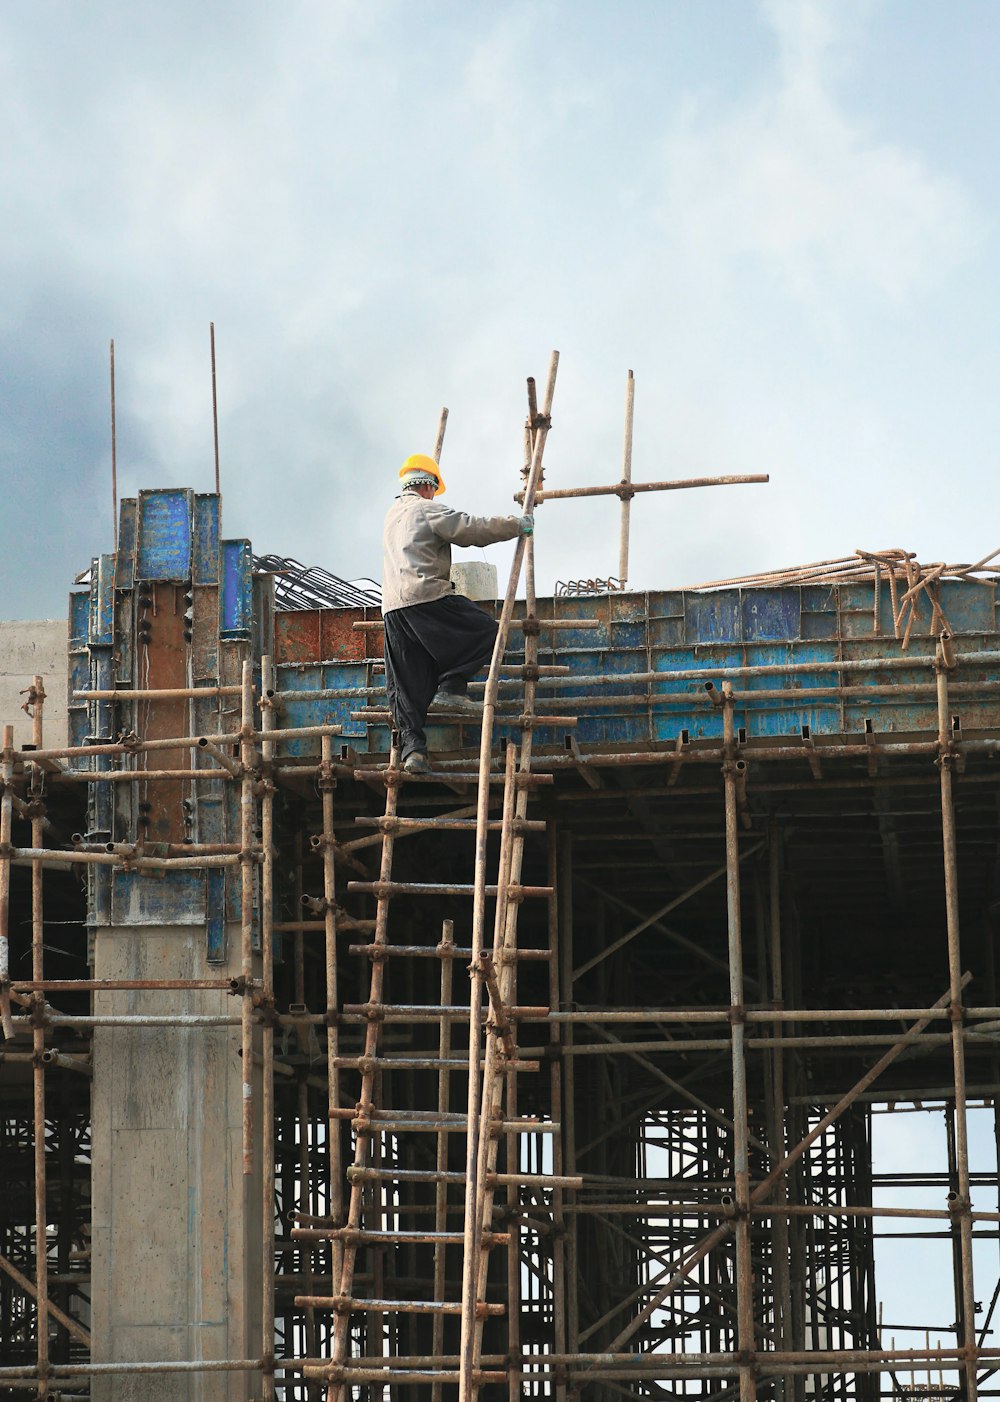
790, 177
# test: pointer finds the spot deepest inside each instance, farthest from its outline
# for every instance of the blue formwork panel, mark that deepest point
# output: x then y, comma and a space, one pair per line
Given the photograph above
163, 535
205, 547
816, 659
236, 591
350, 679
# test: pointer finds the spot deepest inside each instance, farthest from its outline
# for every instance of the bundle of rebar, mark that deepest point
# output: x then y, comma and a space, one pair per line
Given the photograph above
896, 567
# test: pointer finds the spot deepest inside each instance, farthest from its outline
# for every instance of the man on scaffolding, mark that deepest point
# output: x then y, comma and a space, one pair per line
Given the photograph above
435, 639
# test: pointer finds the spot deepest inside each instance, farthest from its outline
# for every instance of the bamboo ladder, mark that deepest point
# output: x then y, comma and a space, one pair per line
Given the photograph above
492, 1071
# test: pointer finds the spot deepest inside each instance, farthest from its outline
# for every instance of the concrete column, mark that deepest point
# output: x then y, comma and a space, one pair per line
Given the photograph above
176, 1226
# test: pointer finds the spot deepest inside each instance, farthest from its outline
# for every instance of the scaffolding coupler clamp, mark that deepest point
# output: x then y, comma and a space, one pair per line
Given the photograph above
737, 1015
531, 626
265, 1006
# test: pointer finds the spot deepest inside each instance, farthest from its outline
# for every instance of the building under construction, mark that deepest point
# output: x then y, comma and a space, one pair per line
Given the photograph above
551, 1074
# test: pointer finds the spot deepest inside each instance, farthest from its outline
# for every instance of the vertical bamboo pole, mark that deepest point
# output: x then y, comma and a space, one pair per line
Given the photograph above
513, 1250
6, 816
327, 782
267, 1034
307, 1196
966, 1312
781, 1243
626, 479
441, 1162
741, 1162
439, 441
470, 1271
555, 1092
247, 812
38, 1068
504, 956
565, 861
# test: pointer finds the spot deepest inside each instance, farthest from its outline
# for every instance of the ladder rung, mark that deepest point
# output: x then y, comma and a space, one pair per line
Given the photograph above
440, 951
342, 1304
372, 715
381, 889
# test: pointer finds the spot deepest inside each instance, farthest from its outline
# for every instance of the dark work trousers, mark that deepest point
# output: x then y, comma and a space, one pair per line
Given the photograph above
428, 648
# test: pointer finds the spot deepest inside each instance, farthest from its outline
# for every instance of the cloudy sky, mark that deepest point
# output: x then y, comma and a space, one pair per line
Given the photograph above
781, 215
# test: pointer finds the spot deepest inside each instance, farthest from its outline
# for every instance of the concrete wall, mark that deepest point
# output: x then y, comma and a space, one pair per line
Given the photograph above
28, 648
176, 1265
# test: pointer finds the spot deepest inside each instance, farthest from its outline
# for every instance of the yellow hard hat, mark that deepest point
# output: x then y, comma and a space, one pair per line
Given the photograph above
420, 462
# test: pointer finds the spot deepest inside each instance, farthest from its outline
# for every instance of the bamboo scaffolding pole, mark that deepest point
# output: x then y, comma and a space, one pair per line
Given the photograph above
623, 488
267, 1044
470, 1269
559, 1256
492, 1079
566, 1030
331, 972
762, 1191
72, 1326
134, 745
965, 1305
741, 1165
626, 498
441, 1155
6, 812
36, 701
247, 863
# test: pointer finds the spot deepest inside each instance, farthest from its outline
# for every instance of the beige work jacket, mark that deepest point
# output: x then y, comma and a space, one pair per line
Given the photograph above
416, 546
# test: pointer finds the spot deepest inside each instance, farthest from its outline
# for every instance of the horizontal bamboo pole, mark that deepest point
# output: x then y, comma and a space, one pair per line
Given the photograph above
163, 693
625, 489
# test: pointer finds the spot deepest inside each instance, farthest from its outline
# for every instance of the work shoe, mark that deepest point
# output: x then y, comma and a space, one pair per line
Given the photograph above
446, 703
416, 763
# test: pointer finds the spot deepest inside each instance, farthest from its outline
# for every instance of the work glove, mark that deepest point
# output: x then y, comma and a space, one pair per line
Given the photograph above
527, 525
